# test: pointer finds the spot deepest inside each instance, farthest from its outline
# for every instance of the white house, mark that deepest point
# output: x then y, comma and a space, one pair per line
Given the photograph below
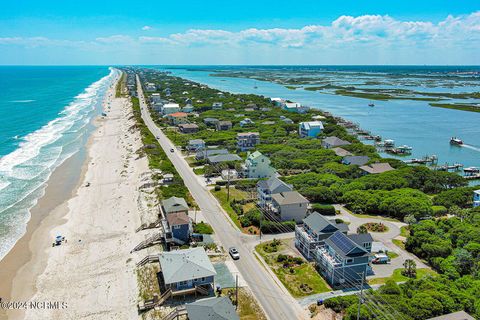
310, 129
257, 166
155, 98
170, 108
217, 105
476, 198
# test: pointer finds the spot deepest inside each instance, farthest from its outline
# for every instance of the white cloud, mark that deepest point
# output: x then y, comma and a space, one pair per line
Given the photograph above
146, 28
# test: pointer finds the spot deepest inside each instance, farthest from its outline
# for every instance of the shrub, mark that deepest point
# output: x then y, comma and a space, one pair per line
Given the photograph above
439, 211
218, 188
326, 210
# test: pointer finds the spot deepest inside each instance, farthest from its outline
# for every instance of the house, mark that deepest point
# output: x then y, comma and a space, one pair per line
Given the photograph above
476, 198
188, 128
341, 152
247, 140
180, 227
188, 108
310, 129
318, 117
375, 168
219, 158
246, 122
170, 108
223, 125
342, 261
150, 87
186, 271
195, 144
167, 178
155, 98
202, 154
177, 118
333, 142
210, 121
257, 166
355, 160
313, 233
174, 205
217, 106
289, 205
287, 120
278, 102
295, 107
215, 308
265, 189
229, 174
459, 315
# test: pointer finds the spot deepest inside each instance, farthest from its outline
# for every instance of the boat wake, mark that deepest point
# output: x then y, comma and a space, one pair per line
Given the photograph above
471, 147
22, 101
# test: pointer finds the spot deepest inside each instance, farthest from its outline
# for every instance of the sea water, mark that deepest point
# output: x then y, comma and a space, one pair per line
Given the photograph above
45, 115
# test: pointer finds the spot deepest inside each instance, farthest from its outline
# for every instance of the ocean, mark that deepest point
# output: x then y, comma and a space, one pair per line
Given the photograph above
45, 117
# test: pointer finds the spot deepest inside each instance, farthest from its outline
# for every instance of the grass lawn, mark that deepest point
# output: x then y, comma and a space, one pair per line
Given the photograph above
222, 198
248, 307
304, 274
399, 243
203, 228
367, 216
404, 232
398, 277
199, 171
392, 255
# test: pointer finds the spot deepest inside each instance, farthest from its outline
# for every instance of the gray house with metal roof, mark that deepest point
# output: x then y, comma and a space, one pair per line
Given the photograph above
186, 271
273, 185
333, 142
216, 308
173, 205
218, 158
355, 160
342, 260
289, 205
313, 233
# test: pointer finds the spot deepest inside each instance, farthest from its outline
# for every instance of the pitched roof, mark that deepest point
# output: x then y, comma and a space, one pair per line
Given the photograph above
215, 308
319, 224
312, 124
223, 158
178, 114
377, 167
356, 160
196, 141
183, 265
178, 218
360, 238
247, 134
289, 197
341, 152
174, 204
275, 185
188, 125
335, 142
210, 152
344, 246
459, 315
254, 155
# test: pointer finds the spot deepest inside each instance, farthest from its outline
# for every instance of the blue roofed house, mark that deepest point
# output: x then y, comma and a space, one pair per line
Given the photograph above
215, 308
265, 189
476, 198
343, 260
180, 227
257, 165
310, 129
314, 231
186, 271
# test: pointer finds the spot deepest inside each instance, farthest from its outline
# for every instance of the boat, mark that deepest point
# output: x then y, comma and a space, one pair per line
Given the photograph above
389, 143
456, 141
371, 104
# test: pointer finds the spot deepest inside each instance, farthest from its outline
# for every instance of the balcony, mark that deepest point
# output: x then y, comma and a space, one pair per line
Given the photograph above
323, 256
303, 234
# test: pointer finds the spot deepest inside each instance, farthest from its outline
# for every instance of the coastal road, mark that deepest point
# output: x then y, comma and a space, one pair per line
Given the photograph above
277, 303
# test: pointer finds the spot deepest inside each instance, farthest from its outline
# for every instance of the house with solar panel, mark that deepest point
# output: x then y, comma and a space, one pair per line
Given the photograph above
343, 259
313, 233
185, 272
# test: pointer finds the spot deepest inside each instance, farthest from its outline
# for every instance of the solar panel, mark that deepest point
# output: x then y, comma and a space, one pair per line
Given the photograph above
342, 242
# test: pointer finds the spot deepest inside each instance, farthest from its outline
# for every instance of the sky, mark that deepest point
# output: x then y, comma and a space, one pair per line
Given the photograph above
104, 32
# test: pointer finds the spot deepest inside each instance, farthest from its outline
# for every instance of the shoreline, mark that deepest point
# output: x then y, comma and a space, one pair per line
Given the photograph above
36, 271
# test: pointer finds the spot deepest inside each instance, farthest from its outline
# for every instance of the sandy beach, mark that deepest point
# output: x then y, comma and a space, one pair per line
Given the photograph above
92, 203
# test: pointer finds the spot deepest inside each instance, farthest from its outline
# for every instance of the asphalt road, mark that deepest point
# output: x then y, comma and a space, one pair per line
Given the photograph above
276, 303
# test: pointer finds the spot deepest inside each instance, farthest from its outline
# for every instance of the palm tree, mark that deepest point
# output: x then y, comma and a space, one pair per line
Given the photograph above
410, 268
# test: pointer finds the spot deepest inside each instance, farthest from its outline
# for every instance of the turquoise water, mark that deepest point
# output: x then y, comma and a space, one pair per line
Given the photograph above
45, 114
414, 123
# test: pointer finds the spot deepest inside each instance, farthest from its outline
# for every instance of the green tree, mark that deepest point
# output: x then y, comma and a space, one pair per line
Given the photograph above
410, 268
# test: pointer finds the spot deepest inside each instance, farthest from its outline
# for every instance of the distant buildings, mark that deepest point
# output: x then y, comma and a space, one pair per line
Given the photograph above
289, 205
217, 105
341, 152
188, 108
215, 308
476, 198
265, 189
188, 128
257, 165
195, 144
155, 98
355, 160
295, 107
246, 122
247, 140
223, 125
212, 122
150, 87
310, 129
278, 102
333, 142
375, 168
170, 108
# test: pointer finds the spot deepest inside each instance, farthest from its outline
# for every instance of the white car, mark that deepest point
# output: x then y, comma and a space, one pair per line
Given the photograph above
234, 253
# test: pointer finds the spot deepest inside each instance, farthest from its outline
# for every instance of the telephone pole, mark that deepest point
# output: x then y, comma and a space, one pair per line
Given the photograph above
360, 297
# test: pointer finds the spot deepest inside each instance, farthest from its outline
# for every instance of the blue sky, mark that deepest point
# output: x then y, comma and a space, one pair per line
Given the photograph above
240, 32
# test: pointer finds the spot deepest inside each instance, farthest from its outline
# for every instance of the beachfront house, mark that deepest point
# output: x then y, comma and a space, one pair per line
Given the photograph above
217, 106
195, 144
186, 271
219, 158
170, 108
265, 189
246, 122
278, 102
247, 140
202, 154
188, 128
223, 125
210, 122
343, 259
177, 118
476, 198
257, 166
314, 231
310, 129
288, 205
355, 160
174, 205
215, 308
333, 142
180, 227
376, 168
